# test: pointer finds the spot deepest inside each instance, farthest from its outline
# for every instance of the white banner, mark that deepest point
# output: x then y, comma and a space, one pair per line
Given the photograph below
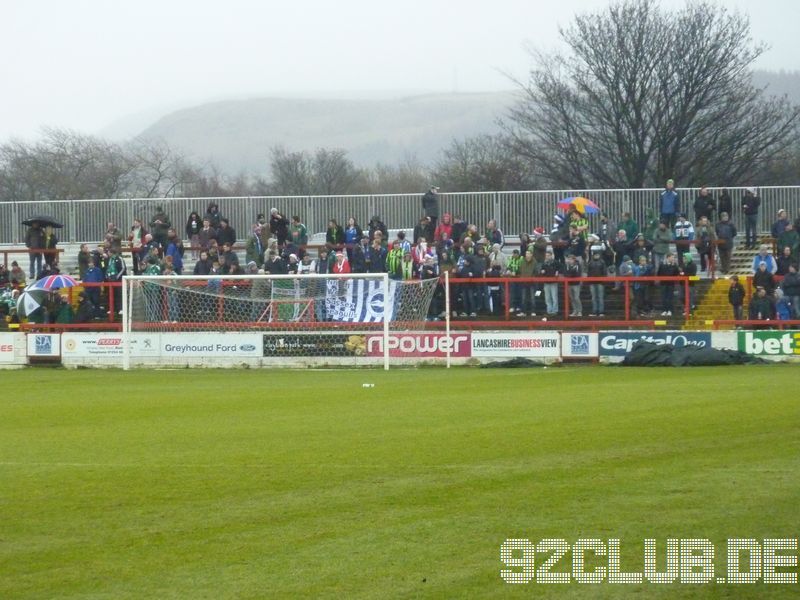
579, 345
9, 344
83, 345
43, 344
359, 300
211, 345
533, 344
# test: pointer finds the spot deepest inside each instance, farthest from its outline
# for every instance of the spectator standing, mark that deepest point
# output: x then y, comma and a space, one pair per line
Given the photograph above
254, 249
115, 271
203, 265
376, 224
213, 215
83, 260
551, 268
630, 226
193, 226
596, 267
779, 226
226, 234
334, 236
175, 250
704, 205
688, 269
684, 235
444, 226
298, 234
206, 235
376, 258
136, 240
430, 206
726, 236
668, 268
706, 242
662, 238
641, 289
670, 204
35, 242
736, 297
790, 239
750, 204
279, 226
159, 226
784, 261
572, 272
423, 229
724, 203
352, 236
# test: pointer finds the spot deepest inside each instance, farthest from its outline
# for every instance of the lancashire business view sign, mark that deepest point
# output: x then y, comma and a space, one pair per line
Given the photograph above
510, 344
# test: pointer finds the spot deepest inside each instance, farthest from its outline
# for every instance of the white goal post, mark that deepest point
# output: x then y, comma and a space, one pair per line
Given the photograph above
306, 315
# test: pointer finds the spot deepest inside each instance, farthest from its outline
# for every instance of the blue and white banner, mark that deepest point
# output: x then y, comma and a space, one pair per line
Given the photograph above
359, 300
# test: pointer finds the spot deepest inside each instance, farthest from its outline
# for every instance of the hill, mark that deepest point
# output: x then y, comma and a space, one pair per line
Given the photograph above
236, 135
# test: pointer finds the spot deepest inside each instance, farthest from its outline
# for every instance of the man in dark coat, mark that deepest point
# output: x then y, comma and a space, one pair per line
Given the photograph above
430, 206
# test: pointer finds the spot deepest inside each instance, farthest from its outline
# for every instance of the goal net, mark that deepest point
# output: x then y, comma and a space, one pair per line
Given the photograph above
290, 315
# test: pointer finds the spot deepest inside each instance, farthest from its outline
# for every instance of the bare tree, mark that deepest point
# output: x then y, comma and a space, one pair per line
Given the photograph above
646, 94
483, 163
326, 172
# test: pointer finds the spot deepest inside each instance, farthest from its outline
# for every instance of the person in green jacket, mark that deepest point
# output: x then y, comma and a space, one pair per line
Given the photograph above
662, 238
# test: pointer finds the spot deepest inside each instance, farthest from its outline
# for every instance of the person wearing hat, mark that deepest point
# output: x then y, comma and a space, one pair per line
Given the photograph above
630, 226
430, 205
670, 204
750, 204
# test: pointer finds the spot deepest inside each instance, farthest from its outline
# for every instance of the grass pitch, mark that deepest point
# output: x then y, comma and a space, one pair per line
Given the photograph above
251, 484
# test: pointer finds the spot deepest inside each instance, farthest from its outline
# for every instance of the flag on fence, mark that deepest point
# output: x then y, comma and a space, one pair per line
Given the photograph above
359, 300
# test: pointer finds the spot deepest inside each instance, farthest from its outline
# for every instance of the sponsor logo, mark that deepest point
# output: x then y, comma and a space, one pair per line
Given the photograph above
770, 343
541, 345
247, 347
429, 345
6, 347
579, 343
43, 344
109, 341
619, 344
306, 345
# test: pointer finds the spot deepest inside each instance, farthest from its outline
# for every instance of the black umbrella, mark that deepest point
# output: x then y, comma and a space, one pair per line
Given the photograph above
43, 220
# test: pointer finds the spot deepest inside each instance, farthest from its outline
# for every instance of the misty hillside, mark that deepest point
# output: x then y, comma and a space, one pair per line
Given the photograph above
237, 134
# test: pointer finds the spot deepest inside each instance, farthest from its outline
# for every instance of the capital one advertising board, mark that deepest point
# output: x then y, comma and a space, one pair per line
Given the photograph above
619, 343
420, 345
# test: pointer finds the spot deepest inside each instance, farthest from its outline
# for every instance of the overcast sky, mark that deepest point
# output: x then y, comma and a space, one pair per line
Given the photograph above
83, 64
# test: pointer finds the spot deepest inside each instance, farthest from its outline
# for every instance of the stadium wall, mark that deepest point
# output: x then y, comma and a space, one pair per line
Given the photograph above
358, 349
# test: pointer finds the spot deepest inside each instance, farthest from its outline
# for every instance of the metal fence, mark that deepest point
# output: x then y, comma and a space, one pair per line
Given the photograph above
515, 212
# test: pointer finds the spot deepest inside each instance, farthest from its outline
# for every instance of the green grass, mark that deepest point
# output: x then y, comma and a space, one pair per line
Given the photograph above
251, 484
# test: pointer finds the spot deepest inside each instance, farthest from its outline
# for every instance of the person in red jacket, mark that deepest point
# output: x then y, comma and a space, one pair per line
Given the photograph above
341, 265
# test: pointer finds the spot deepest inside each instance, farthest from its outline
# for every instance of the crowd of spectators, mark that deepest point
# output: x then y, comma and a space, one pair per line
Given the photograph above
440, 242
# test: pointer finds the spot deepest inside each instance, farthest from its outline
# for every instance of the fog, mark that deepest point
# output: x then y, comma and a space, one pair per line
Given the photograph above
84, 64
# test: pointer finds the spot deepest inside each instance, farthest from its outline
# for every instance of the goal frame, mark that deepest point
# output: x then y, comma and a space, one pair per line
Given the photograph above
129, 280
